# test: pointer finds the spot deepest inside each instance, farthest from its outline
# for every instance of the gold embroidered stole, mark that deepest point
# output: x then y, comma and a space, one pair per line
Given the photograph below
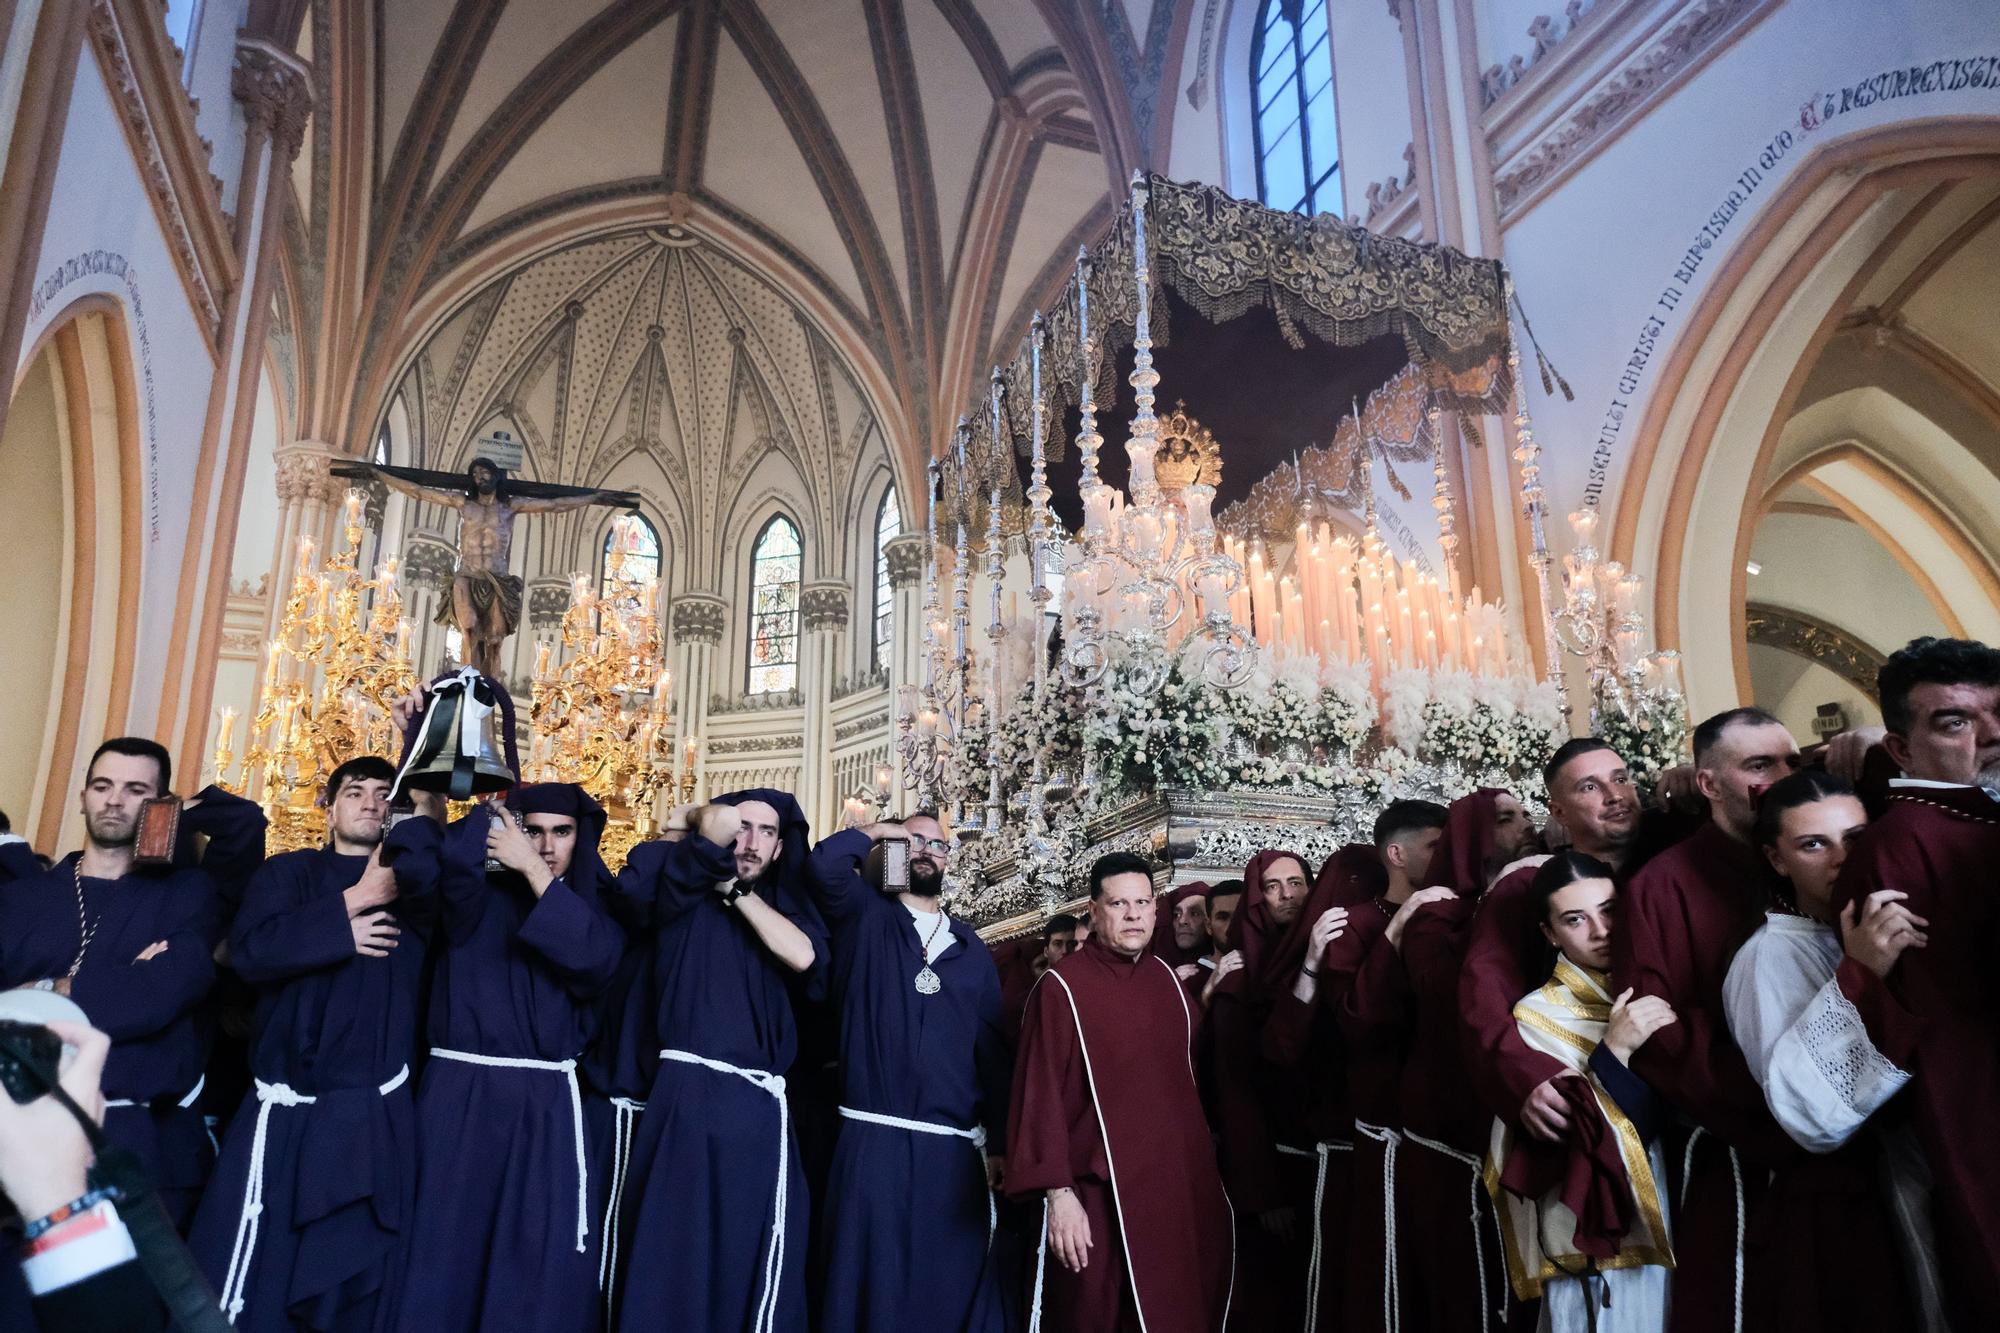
1566, 1019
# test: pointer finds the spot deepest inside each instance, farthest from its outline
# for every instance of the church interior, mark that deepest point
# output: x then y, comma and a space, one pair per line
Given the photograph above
1005, 405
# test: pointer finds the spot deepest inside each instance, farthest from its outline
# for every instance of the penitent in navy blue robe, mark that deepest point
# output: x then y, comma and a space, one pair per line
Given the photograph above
153, 1010
907, 1221
494, 1240
338, 1175
703, 1196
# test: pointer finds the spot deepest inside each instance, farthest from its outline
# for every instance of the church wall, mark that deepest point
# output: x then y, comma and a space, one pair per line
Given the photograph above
209, 57
103, 238
1371, 89
1729, 138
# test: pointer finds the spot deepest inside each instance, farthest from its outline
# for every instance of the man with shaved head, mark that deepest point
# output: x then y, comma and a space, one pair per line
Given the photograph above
1683, 917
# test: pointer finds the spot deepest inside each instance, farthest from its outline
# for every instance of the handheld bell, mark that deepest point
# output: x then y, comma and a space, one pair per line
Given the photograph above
456, 749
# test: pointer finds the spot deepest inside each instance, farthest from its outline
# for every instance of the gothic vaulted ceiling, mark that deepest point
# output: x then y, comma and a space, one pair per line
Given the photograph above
916, 173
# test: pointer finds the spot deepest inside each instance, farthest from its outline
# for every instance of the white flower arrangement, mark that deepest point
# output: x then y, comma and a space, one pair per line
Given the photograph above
1650, 733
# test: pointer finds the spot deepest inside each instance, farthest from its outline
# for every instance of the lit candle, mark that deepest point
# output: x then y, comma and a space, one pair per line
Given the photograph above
228, 732
305, 553
353, 507
271, 663
403, 631
882, 776
542, 660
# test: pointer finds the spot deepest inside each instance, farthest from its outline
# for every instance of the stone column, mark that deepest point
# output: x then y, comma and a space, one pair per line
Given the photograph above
275, 89
429, 561
905, 555
823, 621
695, 622
303, 486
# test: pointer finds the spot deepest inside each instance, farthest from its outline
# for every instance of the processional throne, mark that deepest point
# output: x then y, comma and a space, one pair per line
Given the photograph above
1217, 681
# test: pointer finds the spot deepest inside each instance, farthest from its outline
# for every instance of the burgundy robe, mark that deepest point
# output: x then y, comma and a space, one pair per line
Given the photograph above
1363, 986
1104, 1102
1681, 920
1938, 1016
1459, 1268
1268, 1161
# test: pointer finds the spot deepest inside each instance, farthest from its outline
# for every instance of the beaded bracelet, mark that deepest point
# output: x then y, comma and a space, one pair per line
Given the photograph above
41, 1226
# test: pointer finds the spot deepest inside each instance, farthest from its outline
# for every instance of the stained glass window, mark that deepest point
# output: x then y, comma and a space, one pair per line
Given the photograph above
774, 608
631, 557
1291, 66
888, 523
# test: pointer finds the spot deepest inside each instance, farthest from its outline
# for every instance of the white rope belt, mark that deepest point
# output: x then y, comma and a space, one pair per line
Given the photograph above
774, 1258
567, 1068
1392, 1286
236, 1278
1320, 1151
1477, 1165
624, 1124
1041, 1267
1736, 1174
193, 1096
976, 1136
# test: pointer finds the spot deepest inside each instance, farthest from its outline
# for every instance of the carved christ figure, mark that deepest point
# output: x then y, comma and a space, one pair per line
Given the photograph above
485, 603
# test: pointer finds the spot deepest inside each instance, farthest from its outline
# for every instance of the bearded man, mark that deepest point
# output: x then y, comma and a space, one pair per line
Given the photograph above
716, 1203
909, 1215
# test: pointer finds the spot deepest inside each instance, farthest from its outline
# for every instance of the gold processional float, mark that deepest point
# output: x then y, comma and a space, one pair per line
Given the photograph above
1183, 683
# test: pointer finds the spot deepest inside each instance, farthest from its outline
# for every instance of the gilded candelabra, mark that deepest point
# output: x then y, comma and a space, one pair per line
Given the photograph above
600, 717
339, 661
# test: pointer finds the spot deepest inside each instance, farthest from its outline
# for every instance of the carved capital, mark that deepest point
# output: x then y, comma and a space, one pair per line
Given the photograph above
698, 617
823, 606
303, 472
276, 92
548, 602
429, 559
905, 557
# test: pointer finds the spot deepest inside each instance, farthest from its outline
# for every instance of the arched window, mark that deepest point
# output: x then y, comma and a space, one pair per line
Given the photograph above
1291, 64
774, 609
888, 523
631, 558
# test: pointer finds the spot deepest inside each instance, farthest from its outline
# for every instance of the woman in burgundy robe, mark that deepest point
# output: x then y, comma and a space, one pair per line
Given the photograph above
1270, 1159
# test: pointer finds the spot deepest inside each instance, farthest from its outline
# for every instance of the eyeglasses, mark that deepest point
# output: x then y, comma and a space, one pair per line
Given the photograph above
938, 845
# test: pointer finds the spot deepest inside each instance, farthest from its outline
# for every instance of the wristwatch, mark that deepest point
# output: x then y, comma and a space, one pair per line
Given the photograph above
732, 893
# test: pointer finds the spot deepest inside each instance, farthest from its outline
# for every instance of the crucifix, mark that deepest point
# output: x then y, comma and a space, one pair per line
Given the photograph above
485, 605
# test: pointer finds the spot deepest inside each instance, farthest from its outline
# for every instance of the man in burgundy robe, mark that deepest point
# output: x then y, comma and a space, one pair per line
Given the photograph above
1263, 1109
1683, 918
1106, 1125
1938, 1014
1439, 1174
1360, 980
1301, 1042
